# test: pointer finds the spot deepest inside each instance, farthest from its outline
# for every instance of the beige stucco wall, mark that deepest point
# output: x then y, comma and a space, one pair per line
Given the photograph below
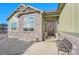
28, 36
12, 20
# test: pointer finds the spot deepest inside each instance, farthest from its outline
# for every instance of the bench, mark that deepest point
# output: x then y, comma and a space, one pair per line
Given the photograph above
64, 46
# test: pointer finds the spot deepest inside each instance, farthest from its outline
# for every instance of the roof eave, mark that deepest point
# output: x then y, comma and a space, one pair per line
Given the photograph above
60, 8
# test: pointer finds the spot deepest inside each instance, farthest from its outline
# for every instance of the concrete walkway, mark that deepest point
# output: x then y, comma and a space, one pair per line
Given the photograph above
47, 47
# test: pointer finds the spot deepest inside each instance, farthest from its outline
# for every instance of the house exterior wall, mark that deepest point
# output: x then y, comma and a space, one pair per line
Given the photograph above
24, 35
69, 25
69, 19
13, 33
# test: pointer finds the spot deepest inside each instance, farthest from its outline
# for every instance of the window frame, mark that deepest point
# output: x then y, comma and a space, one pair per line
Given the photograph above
27, 19
13, 25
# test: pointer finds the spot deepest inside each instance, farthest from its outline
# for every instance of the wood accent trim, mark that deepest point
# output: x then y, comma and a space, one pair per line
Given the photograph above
60, 8
31, 10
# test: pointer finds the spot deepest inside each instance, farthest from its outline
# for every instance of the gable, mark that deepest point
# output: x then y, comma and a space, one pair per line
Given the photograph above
22, 9
26, 9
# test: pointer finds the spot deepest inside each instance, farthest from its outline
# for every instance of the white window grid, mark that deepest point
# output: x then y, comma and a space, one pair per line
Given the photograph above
26, 20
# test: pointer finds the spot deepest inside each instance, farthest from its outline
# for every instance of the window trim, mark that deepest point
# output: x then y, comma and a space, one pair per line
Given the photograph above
12, 25
25, 19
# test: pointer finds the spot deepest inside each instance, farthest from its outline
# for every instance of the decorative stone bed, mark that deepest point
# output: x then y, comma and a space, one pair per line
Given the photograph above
11, 46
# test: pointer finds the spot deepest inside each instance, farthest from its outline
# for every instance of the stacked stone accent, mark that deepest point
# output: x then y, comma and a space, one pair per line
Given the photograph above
25, 35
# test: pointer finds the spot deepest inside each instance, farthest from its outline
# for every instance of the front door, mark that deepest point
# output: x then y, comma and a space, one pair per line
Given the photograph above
50, 28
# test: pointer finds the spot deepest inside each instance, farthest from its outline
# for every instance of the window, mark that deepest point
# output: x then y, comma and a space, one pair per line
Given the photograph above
13, 26
29, 23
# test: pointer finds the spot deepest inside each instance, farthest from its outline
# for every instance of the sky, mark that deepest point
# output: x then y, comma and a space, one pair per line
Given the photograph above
7, 8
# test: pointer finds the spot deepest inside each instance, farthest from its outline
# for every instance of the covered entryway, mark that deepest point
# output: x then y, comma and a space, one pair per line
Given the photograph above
50, 22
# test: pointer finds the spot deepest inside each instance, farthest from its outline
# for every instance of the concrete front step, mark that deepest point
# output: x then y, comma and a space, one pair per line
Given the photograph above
52, 39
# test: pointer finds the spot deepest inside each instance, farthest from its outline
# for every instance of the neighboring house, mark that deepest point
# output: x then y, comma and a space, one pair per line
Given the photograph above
3, 28
29, 23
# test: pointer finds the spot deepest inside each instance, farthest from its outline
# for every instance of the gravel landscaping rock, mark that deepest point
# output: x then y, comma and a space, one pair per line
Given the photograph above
11, 46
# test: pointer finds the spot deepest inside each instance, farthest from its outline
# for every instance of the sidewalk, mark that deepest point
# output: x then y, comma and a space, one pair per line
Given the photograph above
47, 47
